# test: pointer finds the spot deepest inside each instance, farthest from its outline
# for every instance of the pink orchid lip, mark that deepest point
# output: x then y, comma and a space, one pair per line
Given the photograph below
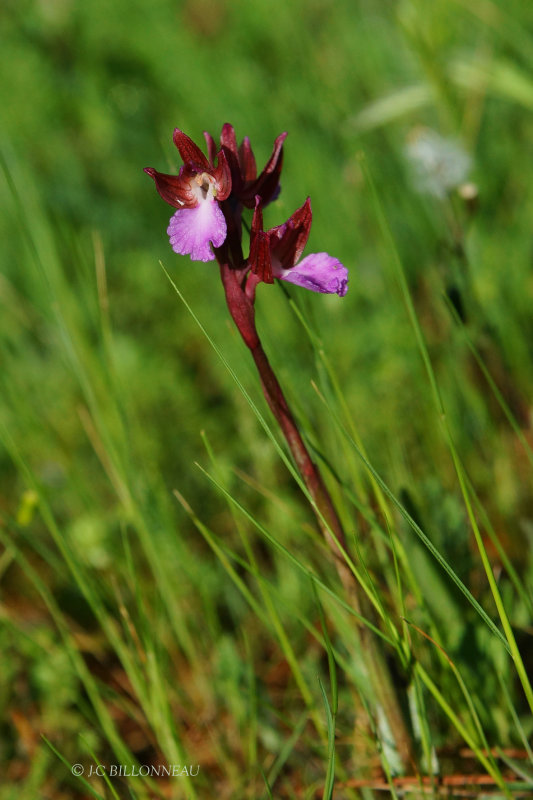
192, 231
318, 272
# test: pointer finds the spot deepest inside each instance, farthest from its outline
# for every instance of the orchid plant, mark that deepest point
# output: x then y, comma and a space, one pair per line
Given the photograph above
210, 194
207, 224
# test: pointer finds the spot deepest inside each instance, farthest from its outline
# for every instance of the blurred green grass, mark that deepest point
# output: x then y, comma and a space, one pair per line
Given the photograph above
107, 384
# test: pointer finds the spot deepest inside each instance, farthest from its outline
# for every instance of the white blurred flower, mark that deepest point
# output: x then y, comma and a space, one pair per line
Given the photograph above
439, 165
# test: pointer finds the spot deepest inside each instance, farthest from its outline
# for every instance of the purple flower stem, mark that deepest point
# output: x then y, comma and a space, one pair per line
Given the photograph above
240, 303
329, 520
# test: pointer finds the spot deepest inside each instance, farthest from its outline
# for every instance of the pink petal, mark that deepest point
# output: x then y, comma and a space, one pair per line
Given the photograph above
318, 272
192, 229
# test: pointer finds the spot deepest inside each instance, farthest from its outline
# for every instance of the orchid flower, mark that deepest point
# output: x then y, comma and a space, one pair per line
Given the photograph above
200, 187
275, 254
196, 192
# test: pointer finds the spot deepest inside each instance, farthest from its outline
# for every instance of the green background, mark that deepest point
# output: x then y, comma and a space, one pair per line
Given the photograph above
109, 388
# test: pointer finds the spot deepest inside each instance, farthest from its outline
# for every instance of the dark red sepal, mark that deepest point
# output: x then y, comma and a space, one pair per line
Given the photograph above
247, 160
222, 176
211, 147
189, 151
267, 184
228, 142
287, 241
174, 189
260, 260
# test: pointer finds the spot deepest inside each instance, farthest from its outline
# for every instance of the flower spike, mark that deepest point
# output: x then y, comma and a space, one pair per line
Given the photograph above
209, 194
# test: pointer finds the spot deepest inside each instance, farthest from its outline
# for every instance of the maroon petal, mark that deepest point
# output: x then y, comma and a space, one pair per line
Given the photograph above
189, 151
247, 160
228, 142
222, 175
211, 147
260, 259
174, 189
267, 184
287, 241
